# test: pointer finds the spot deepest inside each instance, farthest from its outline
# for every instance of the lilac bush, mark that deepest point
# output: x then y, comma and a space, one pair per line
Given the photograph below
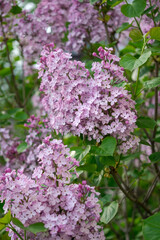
79, 158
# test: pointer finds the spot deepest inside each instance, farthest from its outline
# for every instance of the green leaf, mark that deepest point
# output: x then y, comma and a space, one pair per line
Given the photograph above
109, 212
5, 71
155, 51
144, 142
151, 227
4, 116
112, 3
106, 199
155, 33
127, 62
157, 18
148, 9
2, 226
155, 82
84, 153
108, 145
136, 35
13, 111
21, 116
128, 49
106, 148
16, 9
36, 228
141, 60
123, 27
157, 139
22, 147
108, 161
131, 156
155, 157
6, 219
146, 122
18, 223
134, 9
76, 151
88, 167
93, 1
98, 151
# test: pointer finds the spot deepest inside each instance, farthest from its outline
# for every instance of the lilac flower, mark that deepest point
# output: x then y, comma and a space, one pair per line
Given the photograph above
67, 211
84, 26
26, 160
78, 103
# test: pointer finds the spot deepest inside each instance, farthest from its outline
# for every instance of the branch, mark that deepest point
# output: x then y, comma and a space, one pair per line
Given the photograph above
127, 191
150, 190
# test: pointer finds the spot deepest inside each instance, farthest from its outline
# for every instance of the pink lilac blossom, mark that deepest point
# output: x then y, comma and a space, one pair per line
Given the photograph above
38, 107
116, 19
54, 15
145, 22
26, 160
31, 34
78, 103
32, 30
6, 19
67, 211
5, 6
84, 26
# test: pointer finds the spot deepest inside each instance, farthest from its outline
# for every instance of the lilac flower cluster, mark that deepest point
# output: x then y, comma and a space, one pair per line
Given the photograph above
146, 22
7, 144
5, 6
48, 24
54, 15
84, 26
38, 107
26, 160
78, 103
28, 29
67, 211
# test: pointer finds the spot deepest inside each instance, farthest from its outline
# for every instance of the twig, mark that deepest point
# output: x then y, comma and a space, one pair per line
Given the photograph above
125, 189
148, 136
150, 190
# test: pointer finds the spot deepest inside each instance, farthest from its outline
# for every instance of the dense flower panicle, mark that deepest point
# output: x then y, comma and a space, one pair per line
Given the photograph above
116, 18
8, 149
84, 26
26, 160
5, 6
61, 165
54, 15
47, 24
78, 103
67, 211
37, 106
146, 22
36, 133
28, 29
